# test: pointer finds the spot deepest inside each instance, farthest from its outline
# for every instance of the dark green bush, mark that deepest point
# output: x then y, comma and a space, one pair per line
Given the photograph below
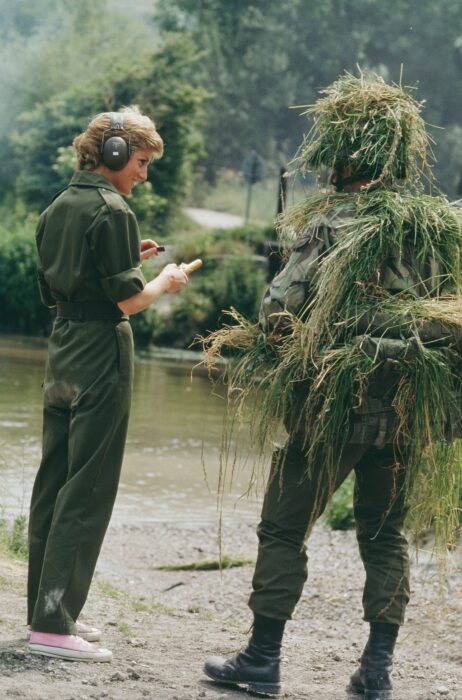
227, 281
13, 537
339, 513
21, 308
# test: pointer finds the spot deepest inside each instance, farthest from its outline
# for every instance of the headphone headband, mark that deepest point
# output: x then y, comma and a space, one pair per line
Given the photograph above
117, 120
115, 150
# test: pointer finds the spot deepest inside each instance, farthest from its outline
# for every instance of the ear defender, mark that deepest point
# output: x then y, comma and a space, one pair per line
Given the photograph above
115, 150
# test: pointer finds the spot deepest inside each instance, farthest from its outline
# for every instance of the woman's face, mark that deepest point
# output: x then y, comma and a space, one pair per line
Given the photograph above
135, 171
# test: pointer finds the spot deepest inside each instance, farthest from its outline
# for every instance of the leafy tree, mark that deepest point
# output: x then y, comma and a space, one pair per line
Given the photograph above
167, 92
21, 308
91, 66
264, 56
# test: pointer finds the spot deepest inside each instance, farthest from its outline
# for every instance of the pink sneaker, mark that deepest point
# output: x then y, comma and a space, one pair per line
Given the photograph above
66, 646
90, 634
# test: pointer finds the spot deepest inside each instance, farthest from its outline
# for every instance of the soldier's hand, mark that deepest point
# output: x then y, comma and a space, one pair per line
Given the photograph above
174, 278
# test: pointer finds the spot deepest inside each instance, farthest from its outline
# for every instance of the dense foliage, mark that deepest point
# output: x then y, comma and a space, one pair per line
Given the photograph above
220, 79
78, 59
232, 276
265, 56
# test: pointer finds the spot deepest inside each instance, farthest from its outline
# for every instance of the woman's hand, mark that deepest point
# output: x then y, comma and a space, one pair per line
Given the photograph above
173, 278
148, 248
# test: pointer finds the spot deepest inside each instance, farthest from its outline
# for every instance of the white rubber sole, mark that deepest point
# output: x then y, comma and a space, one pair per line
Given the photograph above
97, 656
94, 636
90, 636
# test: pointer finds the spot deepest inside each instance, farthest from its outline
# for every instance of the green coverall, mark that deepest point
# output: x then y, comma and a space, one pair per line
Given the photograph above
89, 254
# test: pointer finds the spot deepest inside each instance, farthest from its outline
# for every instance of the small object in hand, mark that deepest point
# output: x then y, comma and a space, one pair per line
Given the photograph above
190, 267
160, 249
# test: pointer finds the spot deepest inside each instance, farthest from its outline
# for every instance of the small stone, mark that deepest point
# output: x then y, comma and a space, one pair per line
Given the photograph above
442, 690
136, 642
119, 676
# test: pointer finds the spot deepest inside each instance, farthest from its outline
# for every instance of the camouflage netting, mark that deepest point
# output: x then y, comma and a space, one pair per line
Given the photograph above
371, 127
318, 361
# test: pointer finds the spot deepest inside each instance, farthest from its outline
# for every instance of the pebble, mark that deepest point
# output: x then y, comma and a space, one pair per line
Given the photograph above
119, 676
442, 690
136, 642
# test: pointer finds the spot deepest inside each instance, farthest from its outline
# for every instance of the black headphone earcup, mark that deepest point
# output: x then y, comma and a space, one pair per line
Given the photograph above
115, 153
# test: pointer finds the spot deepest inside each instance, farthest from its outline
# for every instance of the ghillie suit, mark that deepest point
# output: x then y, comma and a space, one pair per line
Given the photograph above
358, 351
369, 298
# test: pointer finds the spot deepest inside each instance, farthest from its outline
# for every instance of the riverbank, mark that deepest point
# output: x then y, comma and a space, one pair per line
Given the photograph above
161, 624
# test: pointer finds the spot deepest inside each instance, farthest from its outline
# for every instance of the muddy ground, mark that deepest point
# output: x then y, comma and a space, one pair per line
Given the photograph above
160, 625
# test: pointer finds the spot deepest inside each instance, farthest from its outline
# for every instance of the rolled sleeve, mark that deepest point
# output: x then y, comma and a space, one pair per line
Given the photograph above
123, 284
115, 242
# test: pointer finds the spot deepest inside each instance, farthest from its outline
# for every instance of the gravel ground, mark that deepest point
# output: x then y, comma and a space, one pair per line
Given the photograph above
160, 625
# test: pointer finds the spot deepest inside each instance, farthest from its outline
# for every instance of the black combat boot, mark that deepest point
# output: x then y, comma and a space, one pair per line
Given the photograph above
372, 679
257, 666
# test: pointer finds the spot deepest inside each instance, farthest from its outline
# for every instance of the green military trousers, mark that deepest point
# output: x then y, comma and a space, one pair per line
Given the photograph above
293, 500
87, 396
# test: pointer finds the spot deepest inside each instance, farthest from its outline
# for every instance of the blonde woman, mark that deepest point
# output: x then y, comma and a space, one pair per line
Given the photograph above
90, 254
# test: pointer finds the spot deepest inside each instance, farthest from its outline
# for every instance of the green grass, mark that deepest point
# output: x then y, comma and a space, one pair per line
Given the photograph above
227, 562
374, 128
111, 591
131, 603
13, 537
124, 629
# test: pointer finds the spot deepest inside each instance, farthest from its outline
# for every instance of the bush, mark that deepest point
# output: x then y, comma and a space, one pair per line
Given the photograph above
224, 282
14, 538
22, 310
339, 513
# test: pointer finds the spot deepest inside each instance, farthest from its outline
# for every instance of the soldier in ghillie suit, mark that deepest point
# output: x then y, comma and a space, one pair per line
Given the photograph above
358, 351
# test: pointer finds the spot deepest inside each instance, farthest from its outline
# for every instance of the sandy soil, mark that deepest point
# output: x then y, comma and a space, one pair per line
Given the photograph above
161, 624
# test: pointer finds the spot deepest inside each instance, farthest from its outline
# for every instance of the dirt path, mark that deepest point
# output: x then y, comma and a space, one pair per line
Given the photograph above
214, 219
161, 624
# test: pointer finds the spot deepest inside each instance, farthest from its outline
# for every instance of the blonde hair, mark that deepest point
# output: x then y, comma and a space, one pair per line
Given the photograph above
140, 128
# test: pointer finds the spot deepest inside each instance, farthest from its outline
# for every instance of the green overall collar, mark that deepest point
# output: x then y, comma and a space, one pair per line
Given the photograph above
87, 178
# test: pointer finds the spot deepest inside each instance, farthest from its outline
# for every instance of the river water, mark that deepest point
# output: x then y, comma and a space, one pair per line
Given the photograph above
172, 457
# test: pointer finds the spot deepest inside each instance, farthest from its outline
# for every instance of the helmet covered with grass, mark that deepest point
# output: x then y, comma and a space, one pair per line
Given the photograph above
367, 127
